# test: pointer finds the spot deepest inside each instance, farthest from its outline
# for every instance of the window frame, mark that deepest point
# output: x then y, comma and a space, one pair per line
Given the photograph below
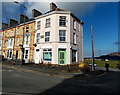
49, 52
74, 38
38, 25
26, 54
74, 24
27, 40
27, 29
38, 38
47, 24
18, 31
62, 36
47, 37
62, 21
17, 42
74, 58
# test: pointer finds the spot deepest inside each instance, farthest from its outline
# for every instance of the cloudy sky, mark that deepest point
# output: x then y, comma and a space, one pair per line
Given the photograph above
103, 16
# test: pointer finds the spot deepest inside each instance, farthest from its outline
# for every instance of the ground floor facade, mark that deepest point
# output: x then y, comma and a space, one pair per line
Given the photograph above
18, 54
57, 53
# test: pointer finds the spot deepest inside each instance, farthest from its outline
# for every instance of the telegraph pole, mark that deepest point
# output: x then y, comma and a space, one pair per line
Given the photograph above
92, 39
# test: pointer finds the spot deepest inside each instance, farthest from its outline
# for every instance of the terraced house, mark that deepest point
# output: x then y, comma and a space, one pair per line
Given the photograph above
18, 40
58, 37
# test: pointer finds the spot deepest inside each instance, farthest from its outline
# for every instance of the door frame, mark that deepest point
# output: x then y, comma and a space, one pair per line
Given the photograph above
61, 50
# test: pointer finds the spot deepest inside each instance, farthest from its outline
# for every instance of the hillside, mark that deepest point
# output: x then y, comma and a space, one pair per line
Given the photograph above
111, 56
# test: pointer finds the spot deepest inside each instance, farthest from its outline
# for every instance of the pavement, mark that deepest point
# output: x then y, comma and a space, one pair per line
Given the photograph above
58, 71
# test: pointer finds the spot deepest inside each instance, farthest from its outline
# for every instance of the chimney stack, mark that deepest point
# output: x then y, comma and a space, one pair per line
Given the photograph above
35, 13
52, 6
4, 25
12, 22
23, 18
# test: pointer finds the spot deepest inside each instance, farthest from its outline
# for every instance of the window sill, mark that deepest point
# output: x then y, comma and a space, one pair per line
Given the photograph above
47, 27
62, 26
62, 41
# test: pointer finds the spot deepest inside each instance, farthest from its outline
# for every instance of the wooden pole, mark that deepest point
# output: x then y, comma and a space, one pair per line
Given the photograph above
92, 39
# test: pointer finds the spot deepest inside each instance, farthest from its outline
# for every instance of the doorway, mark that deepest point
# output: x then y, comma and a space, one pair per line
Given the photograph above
61, 56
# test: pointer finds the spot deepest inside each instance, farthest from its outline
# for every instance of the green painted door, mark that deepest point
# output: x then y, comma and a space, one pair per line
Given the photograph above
62, 57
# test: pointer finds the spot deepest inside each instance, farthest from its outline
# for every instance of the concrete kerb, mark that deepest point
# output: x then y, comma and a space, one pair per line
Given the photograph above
55, 75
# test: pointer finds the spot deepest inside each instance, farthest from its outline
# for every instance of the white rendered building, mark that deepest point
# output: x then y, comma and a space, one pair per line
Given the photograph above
58, 38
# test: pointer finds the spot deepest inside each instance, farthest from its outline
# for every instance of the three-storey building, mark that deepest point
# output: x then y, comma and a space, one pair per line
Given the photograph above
58, 38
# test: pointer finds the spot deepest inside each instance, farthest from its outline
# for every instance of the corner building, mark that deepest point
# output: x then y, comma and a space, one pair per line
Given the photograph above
58, 38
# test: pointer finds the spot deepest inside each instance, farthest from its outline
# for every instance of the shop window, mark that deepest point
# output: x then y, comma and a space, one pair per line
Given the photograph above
47, 55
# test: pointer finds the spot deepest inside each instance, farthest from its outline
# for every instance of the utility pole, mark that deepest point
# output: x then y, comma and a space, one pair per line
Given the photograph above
92, 39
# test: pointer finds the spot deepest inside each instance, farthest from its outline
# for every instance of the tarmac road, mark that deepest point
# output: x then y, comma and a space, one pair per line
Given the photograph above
17, 82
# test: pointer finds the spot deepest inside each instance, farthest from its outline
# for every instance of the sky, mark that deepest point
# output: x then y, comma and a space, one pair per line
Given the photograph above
103, 16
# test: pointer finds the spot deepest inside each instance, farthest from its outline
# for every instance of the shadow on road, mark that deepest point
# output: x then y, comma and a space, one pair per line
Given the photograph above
108, 84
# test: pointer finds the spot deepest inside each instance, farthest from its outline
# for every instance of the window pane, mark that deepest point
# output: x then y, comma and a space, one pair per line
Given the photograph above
73, 56
47, 36
62, 35
62, 21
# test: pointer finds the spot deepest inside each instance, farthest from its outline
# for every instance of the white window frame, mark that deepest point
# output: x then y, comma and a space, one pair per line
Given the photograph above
38, 38
38, 25
27, 29
27, 40
62, 20
5, 43
11, 33
62, 36
9, 54
0, 35
74, 38
48, 51
10, 42
18, 31
47, 37
26, 54
47, 24
0, 43
74, 24
17, 41
79, 27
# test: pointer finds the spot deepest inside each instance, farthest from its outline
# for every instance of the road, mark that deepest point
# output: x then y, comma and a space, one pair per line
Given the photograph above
19, 82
